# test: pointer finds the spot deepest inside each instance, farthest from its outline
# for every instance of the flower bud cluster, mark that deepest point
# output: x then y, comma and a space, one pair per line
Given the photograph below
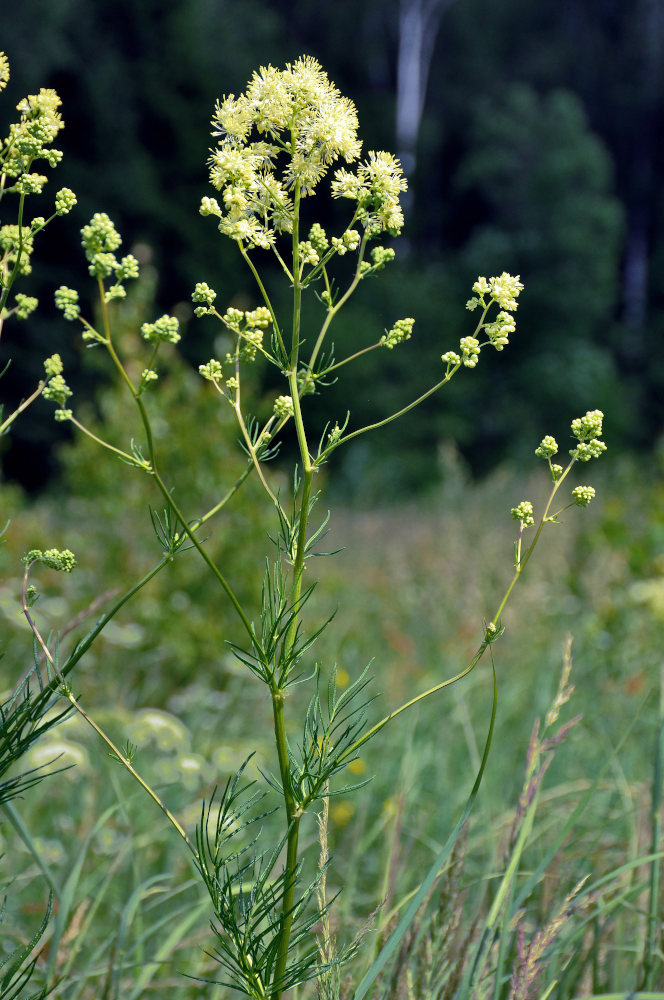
25, 305
57, 390
53, 365
588, 431
28, 140
206, 295
212, 371
58, 559
100, 239
16, 248
283, 407
348, 242
318, 239
583, 495
65, 200
165, 330
547, 447
470, 351
382, 256
66, 299
523, 512
401, 331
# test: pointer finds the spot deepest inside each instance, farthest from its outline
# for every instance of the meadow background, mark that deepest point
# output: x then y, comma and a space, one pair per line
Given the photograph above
532, 149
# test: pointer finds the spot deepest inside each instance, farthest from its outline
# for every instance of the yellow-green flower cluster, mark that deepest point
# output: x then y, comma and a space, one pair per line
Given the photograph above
206, 295
165, 330
24, 305
4, 71
503, 290
523, 512
29, 139
66, 299
297, 112
401, 331
583, 495
277, 141
376, 187
100, 239
58, 559
283, 407
588, 431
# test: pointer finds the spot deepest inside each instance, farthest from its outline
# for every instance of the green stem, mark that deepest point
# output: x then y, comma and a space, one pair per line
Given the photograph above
24, 405
399, 413
293, 813
334, 309
545, 518
118, 451
266, 297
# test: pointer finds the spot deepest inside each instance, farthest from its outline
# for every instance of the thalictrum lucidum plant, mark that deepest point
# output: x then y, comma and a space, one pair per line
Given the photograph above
289, 136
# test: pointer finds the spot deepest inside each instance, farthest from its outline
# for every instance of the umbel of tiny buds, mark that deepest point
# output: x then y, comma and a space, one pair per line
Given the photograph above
588, 430
523, 512
583, 495
58, 559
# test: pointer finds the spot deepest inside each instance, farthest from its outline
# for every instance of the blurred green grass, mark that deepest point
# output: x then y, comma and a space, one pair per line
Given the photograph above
413, 584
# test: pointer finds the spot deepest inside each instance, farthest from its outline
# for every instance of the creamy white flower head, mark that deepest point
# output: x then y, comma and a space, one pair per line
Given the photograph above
280, 136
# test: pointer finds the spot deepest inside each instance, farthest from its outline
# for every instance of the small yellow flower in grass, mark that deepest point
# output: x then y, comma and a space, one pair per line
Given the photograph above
343, 677
341, 812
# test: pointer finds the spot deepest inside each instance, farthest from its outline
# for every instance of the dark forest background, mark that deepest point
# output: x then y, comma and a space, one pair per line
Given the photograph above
529, 133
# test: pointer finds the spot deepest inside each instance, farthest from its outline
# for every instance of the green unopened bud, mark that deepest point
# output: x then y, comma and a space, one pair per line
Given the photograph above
589, 426
57, 390
65, 200
401, 331
523, 512
547, 447
163, 330
283, 407
212, 370
470, 351
66, 299
583, 495
53, 365
25, 305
